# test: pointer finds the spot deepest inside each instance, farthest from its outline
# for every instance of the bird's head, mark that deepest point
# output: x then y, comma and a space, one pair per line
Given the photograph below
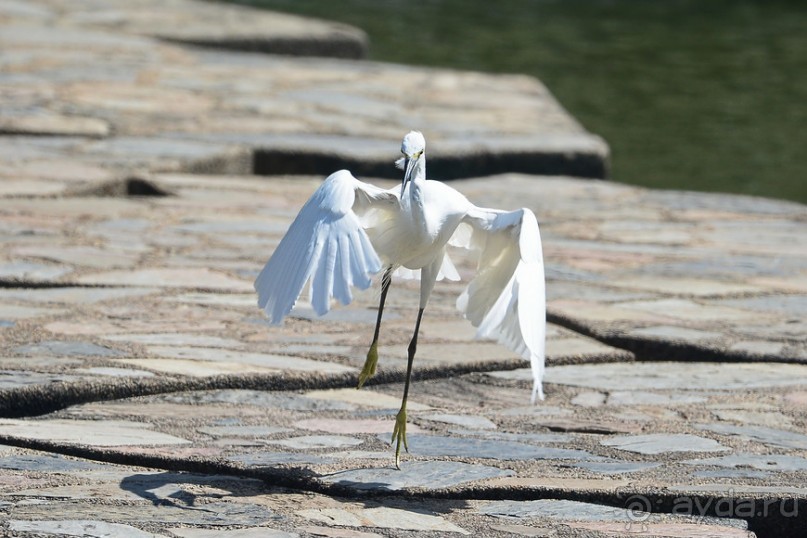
413, 148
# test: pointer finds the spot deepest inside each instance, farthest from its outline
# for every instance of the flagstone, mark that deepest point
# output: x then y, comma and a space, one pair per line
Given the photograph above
158, 268
168, 278
317, 441
31, 187
362, 454
764, 462
467, 421
80, 527
248, 360
689, 310
32, 271
415, 474
255, 398
796, 397
672, 333
636, 397
673, 376
734, 490
538, 438
57, 348
555, 509
82, 256
381, 517
113, 372
525, 530
176, 339
242, 431
581, 348
254, 532
616, 467
352, 426
762, 418
365, 398
88, 432
339, 315
115, 324
660, 443
440, 446
731, 474
11, 379
758, 347
317, 349
568, 484
759, 434
17, 312
589, 398
73, 295
247, 300
272, 459
328, 532
604, 312
572, 424
790, 305
43, 462
664, 530
216, 514
685, 286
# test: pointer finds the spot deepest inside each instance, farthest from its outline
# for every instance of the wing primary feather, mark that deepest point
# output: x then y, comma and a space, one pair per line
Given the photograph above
358, 267
506, 299
344, 280
326, 246
322, 284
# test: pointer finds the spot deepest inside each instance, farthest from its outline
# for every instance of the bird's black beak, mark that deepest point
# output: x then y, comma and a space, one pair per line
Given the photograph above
409, 166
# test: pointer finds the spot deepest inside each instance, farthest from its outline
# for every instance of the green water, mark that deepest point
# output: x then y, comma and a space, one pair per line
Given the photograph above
690, 94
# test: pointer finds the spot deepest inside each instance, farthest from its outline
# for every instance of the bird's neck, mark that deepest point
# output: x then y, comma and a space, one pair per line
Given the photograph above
418, 177
414, 199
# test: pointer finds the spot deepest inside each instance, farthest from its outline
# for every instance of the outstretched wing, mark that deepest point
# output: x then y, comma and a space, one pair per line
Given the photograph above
327, 244
506, 300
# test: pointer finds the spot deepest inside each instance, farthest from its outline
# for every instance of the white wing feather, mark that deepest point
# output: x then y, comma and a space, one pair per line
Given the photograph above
327, 244
506, 300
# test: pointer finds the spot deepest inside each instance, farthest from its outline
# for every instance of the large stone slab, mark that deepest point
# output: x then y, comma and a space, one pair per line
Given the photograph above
659, 443
262, 360
764, 462
57, 348
158, 261
678, 376
87, 432
416, 474
760, 434
79, 527
382, 517
435, 445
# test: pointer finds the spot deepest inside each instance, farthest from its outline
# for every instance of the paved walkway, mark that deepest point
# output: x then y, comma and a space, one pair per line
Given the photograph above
143, 394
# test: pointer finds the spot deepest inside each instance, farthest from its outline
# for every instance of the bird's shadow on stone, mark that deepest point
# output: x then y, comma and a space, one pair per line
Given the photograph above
386, 487
172, 489
192, 491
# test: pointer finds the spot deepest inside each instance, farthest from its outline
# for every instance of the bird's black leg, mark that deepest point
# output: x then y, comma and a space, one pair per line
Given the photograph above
370, 364
399, 433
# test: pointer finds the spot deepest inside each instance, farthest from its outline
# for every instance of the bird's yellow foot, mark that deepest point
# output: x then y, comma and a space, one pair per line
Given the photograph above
368, 370
399, 435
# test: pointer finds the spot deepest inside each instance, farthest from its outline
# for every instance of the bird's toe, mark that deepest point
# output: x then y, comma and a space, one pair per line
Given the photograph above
368, 370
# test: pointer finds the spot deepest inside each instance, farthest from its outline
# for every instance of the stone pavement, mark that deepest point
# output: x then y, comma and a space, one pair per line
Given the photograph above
143, 394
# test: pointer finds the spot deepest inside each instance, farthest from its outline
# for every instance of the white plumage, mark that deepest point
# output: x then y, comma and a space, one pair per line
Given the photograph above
349, 231
327, 244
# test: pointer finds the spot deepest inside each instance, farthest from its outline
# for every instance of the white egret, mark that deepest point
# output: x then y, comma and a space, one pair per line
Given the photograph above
350, 230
